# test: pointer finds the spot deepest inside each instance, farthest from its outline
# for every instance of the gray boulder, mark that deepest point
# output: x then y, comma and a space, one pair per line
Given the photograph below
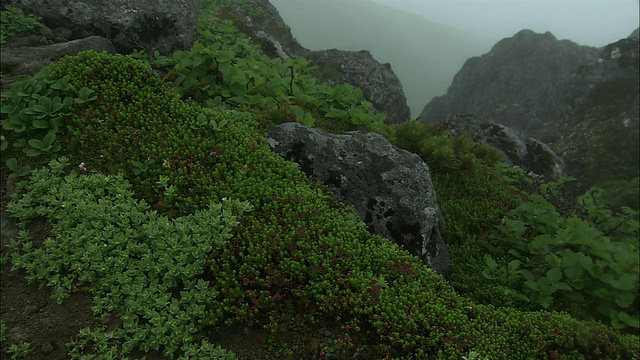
29, 60
520, 150
390, 188
163, 25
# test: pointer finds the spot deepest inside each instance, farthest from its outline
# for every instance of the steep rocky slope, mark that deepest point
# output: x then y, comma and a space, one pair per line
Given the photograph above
520, 83
600, 136
378, 82
582, 101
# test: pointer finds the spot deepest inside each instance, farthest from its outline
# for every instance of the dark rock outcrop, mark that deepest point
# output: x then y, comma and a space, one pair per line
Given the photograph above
520, 150
520, 83
390, 188
266, 28
378, 82
29, 60
163, 25
615, 62
600, 127
8, 230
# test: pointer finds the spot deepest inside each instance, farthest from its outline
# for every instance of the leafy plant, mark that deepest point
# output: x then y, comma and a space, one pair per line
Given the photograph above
224, 68
20, 350
14, 22
474, 355
33, 115
136, 263
588, 265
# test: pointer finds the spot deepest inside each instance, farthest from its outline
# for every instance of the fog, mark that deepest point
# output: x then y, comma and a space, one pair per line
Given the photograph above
427, 41
586, 22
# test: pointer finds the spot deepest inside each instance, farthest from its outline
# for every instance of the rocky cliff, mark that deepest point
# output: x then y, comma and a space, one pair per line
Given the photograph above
582, 101
162, 25
520, 83
378, 82
600, 136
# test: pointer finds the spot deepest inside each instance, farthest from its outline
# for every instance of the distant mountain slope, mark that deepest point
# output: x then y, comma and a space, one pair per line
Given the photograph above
425, 55
580, 100
520, 83
592, 22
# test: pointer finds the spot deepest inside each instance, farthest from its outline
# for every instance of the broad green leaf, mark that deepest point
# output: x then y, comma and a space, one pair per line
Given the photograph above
45, 102
540, 242
625, 281
554, 275
32, 152
514, 265
574, 271
632, 321
12, 164
39, 109
37, 144
40, 124
49, 139
625, 299
357, 94
528, 275
225, 55
603, 294
533, 285
564, 286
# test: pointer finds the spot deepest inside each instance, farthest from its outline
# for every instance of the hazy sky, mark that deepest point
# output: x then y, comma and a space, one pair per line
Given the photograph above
587, 22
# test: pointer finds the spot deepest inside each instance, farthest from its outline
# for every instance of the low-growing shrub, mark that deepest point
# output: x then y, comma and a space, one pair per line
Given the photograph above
442, 151
299, 263
140, 266
586, 264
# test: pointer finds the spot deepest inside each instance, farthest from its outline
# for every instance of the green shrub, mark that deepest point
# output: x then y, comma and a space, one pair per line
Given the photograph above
440, 150
33, 113
14, 22
587, 266
136, 263
473, 202
223, 68
297, 264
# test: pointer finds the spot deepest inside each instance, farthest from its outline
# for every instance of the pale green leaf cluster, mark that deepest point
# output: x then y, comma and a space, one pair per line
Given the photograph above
143, 266
14, 22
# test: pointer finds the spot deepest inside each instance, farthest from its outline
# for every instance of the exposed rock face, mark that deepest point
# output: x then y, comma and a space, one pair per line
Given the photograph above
163, 25
614, 62
391, 189
266, 28
520, 83
528, 153
378, 82
600, 126
29, 60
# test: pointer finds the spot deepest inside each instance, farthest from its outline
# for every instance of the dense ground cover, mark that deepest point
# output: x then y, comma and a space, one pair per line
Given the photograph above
174, 214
